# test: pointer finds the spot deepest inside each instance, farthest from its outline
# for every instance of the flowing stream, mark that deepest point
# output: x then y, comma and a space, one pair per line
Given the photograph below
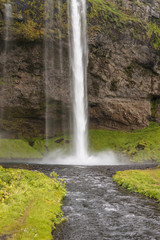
97, 209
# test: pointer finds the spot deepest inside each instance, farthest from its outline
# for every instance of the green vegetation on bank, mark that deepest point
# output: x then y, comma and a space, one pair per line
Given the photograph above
17, 148
30, 204
139, 145
45, 146
146, 182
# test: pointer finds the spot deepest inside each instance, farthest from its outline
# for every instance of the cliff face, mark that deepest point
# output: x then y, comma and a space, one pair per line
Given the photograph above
123, 71
124, 66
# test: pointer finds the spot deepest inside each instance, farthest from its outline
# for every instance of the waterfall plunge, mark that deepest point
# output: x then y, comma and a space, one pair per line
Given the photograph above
79, 59
78, 53
79, 68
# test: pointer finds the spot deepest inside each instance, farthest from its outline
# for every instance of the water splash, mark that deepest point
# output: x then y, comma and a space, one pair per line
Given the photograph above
97, 159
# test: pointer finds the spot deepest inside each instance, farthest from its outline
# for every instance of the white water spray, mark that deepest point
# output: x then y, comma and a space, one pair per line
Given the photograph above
79, 61
79, 69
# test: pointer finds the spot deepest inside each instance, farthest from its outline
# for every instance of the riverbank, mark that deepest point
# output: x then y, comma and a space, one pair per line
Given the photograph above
93, 197
30, 204
146, 182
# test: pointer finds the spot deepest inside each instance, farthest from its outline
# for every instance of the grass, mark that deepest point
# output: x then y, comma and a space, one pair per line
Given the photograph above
30, 204
58, 142
139, 145
17, 148
146, 182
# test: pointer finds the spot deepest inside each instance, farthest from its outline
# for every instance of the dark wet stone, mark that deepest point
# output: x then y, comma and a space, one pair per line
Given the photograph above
59, 140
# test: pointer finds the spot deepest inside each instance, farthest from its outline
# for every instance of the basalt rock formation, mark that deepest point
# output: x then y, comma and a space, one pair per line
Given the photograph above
123, 69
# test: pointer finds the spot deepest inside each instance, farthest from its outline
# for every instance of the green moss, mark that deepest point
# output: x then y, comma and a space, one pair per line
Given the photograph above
146, 182
28, 31
109, 16
140, 145
16, 148
28, 15
153, 34
33, 13
30, 204
104, 16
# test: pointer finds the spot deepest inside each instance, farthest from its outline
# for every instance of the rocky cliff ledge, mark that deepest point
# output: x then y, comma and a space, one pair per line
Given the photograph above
123, 70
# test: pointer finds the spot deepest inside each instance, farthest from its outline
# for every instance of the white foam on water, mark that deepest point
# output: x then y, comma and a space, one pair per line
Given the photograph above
97, 159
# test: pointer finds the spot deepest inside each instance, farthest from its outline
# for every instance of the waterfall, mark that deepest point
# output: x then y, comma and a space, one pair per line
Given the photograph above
78, 54
7, 36
77, 41
60, 39
8, 17
48, 61
56, 110
79, 62
46, 57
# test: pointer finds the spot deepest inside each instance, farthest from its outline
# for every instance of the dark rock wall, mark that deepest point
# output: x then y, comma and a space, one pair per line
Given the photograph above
123, 76
123, 72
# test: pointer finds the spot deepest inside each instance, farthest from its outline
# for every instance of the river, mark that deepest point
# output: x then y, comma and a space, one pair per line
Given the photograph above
98, 209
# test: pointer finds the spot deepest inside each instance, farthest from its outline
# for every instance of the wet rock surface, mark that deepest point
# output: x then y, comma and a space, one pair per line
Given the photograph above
123, 71
98, 209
